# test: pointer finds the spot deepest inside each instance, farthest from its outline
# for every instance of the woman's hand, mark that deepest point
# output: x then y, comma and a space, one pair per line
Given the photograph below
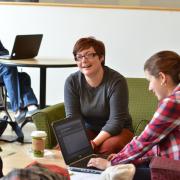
93, 144
57, 147
99, 163
111, 156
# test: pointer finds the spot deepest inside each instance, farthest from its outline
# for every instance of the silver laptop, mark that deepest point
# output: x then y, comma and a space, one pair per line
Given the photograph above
75, 145
25, 47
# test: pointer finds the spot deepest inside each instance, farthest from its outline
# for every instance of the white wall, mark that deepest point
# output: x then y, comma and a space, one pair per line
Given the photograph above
130, 36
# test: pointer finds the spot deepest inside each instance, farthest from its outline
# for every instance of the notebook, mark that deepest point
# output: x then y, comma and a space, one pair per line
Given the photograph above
25, 47
75, 146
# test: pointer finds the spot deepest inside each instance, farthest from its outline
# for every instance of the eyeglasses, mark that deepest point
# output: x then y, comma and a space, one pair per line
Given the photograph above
88, 56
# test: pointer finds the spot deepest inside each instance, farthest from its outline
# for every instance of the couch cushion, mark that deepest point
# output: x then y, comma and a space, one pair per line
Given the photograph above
142, 103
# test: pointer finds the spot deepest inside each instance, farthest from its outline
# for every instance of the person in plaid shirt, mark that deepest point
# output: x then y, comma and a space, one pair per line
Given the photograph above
161, 137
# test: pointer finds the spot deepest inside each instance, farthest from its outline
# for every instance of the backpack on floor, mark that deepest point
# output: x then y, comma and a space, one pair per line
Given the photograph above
15, 128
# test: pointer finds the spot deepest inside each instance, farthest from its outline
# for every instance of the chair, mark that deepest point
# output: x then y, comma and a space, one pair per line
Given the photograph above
4, 120
3, 100
142, 105
45, 117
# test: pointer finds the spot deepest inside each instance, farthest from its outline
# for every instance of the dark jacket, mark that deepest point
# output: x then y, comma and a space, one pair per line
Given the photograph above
3, 50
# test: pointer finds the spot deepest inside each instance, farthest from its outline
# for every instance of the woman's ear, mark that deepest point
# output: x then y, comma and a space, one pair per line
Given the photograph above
163, 78
102, 59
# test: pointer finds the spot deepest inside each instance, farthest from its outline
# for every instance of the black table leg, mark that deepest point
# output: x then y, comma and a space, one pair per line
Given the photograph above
42, 99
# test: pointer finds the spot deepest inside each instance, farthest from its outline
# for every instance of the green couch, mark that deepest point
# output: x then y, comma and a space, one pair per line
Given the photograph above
142, 105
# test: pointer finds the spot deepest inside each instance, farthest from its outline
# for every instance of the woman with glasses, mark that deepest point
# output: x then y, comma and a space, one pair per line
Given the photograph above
99, 96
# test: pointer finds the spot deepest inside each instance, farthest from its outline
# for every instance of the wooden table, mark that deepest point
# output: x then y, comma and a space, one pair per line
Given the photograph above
19, 156
43, 64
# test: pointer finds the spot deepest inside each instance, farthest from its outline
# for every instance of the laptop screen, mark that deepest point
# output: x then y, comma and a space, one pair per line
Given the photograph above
26, 46
72, 138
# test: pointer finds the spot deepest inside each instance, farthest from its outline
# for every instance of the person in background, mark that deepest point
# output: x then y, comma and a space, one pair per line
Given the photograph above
18, 85
161, 137
99, 96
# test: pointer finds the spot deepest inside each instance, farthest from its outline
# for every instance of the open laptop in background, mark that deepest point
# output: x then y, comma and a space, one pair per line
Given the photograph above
25, 47
75, 146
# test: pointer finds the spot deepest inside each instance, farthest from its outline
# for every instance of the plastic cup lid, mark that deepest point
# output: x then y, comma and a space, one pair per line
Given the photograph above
38, 134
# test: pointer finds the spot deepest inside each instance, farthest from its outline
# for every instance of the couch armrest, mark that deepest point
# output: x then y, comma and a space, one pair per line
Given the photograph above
44, 118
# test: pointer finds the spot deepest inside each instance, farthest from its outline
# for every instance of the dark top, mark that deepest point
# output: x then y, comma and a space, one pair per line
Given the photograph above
3, 50
102, 108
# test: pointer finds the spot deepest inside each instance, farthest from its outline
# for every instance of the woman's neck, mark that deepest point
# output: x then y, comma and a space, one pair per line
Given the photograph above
171, 88
96, 79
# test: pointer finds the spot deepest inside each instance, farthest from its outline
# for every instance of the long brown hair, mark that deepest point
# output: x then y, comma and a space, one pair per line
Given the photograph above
167, 62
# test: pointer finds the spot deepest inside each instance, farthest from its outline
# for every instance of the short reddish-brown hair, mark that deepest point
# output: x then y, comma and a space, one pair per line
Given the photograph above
86, 43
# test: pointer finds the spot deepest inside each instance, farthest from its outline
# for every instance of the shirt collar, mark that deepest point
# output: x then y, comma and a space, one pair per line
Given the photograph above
177, 88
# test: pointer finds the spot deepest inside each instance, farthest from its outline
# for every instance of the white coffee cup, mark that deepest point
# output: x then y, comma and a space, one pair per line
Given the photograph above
38, 143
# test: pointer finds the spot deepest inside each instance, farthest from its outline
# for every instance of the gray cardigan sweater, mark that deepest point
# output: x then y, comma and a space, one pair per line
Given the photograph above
102, 108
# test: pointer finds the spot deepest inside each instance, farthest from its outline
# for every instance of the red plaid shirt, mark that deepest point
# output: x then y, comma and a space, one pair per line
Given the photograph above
161, 137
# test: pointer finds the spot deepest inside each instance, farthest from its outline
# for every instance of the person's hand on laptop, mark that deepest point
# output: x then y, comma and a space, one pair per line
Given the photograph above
111, 156
93, 144
57, 147
99, 163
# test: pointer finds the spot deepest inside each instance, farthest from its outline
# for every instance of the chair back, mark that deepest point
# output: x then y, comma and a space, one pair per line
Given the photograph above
3, 100
142, 103
2, 96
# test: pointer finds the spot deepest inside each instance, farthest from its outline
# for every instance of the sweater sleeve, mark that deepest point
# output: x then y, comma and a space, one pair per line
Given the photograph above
71, 98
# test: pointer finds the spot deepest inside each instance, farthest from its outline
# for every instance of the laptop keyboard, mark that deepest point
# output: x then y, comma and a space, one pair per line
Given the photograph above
82, 165
83, 162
